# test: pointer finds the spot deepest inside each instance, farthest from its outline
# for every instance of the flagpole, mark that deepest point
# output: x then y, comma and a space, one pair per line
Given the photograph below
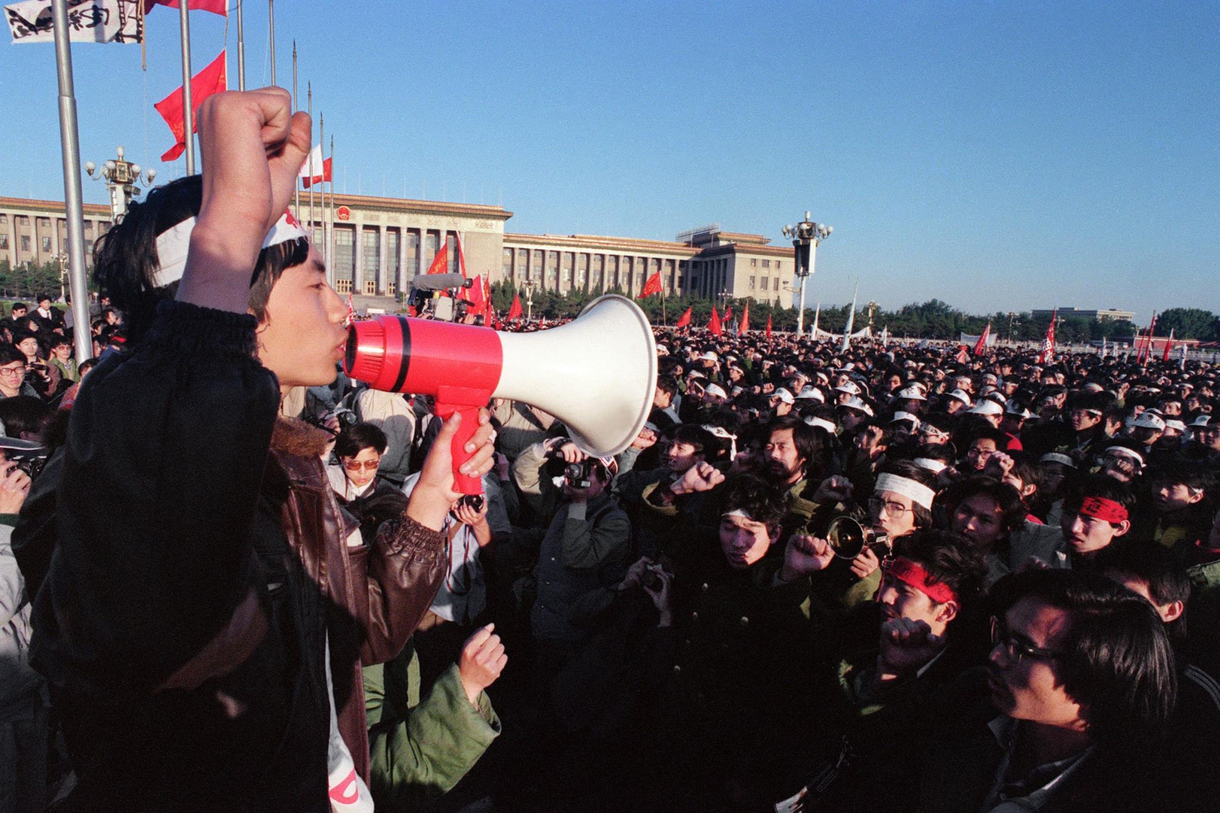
321, 141
851, 319
241, 51
817, 314
664, 318
296, 188
188, 114
271, 34
69, 136
309, 109
330, 218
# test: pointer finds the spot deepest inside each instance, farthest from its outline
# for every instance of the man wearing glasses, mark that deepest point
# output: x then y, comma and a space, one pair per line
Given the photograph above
12, 373
1082, 675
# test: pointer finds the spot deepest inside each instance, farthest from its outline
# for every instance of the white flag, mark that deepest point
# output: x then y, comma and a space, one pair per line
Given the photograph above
312, 168
88, 21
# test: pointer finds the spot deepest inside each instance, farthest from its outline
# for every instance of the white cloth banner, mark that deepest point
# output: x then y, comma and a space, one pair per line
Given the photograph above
88, 21
971, 341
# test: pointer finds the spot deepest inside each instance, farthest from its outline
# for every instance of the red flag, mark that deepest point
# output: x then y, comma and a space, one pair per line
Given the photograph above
214, 6
351, 308
744, 327
203, 84
714, 323
1168, 345
1146, 347
980, 347
1047, 353
324, 176
684, 321
488, 311
440, 263
651, 286
514, 311
768, 326
728, 313
461, 255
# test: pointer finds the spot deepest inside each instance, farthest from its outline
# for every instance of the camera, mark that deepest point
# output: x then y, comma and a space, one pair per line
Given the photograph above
579, 475
346, 417
27, 455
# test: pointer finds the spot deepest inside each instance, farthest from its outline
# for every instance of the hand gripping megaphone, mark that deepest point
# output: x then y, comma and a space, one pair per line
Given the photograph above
597, 374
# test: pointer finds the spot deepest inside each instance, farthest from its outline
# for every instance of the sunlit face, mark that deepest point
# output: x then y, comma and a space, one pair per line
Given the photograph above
893, 514
744, 541
681, 456
783, 460
361, 468
1086, 535
62, 351
979, 453
980, 519
1174, 496
29, 346
1025, 685
1083, 420
304, 333
898, 599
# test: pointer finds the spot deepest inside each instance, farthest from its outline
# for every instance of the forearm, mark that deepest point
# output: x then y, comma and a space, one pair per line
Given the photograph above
405, 566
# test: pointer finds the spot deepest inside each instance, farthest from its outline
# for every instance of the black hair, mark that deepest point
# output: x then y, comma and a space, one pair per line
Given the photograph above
125, 257
943, 452
667, 384
44, 297
811, 445
358, 437
757, 498
949, 559
1157, 567
696, 436
24, 415
18, 306
1100, 486
1012, 510
1116, 661
9, 353
1189, 473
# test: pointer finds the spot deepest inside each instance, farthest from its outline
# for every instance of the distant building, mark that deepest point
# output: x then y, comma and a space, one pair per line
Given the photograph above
378, 245
1102, 315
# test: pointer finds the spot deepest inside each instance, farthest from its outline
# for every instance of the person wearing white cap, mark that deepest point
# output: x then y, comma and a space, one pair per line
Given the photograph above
847, 390
811, 393
781, 401
957, 401
988, 410
1205, 436
910, 399
1147, 429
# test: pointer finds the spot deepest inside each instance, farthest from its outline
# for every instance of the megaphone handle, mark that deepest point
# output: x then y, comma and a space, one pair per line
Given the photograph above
457, 449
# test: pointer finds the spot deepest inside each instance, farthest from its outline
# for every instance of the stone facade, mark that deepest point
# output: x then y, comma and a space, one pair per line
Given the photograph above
375, 246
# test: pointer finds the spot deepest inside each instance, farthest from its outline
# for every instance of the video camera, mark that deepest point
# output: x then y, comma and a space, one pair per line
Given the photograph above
29, 456
424, 299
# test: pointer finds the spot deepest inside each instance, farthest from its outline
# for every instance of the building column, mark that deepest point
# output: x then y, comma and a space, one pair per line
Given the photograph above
400, 284
383, 262
358, 258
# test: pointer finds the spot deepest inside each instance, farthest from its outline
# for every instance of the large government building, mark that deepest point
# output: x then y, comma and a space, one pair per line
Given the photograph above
375, 246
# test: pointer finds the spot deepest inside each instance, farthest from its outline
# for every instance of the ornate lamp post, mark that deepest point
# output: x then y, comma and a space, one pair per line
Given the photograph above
805, 237
123, 179
529, 286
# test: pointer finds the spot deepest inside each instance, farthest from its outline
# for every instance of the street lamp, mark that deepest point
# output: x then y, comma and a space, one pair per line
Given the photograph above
805, 235
529, 286
122, 178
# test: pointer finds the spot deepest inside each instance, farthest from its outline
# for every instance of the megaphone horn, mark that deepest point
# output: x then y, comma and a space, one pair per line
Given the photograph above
597, 374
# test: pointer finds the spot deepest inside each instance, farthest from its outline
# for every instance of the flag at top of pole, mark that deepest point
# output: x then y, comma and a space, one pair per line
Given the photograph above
203, 84
980, 347
1046, 354
684, 320
651, 286
713, 324
744, 327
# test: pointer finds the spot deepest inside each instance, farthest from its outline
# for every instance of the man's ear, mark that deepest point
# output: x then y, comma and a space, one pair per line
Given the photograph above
948, 611
1171, 612
1122, 528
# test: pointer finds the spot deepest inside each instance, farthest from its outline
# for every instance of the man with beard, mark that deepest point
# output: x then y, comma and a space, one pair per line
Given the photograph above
796, 458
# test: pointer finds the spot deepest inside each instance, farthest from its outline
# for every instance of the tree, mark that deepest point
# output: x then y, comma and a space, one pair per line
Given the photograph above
1186, 323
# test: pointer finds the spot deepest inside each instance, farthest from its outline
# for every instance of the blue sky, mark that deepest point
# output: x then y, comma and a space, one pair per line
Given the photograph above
996, 155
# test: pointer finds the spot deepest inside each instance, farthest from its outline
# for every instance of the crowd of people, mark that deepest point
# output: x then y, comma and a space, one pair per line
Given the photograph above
888, 576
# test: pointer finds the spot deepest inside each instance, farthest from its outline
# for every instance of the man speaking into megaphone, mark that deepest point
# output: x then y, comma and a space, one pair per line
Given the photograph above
204, 617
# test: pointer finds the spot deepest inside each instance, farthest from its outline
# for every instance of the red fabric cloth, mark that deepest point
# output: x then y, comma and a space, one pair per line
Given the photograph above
685, 320
203, 84
215, 6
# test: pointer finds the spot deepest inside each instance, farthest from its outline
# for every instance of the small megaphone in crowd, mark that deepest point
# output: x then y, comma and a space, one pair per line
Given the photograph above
596, 374
848, 538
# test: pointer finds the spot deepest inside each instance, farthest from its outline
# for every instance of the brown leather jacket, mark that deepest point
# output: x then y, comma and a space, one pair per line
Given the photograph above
386, 586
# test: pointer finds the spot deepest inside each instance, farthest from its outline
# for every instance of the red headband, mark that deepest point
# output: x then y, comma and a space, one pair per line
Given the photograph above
1103, 509
914, 575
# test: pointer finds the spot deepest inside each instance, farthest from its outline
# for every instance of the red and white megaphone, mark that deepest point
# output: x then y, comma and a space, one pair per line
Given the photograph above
597, 374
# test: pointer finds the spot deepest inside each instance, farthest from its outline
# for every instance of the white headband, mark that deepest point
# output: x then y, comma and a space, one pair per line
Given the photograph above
738, 513
934, 466
1055, 457
1123, 451
724, 434
822, 423
918, 492
174, 243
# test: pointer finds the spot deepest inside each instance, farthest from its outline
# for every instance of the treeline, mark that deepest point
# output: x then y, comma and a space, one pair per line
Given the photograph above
933, 319
28, 279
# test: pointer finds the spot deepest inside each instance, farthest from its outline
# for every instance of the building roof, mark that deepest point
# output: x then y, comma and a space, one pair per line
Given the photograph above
428, 206
593, 241
95, 209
